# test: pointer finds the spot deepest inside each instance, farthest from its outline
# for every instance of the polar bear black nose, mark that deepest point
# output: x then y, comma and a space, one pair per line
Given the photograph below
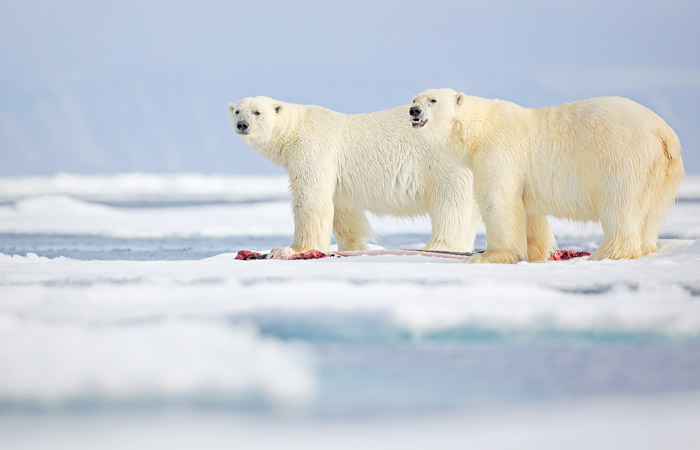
242, 125
415, 111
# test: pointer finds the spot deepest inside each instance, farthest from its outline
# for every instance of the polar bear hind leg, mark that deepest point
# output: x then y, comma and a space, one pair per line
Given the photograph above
650, 228
622, 229
656, 203
454, 220
631, 223
462, 242
351, 229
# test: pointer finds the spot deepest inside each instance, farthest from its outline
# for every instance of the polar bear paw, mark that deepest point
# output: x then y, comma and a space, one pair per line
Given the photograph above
494, 257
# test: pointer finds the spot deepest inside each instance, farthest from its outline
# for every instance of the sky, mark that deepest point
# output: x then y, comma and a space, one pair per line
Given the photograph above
124, 86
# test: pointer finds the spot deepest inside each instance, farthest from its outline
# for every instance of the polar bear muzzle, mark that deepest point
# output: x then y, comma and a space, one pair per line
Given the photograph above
242, 127
416, 117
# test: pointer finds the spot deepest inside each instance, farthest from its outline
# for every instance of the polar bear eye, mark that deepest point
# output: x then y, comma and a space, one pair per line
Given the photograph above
257, 113
237, 112
433, 101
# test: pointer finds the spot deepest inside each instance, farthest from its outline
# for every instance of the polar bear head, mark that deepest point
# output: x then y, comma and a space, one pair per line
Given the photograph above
255, 118
433, 112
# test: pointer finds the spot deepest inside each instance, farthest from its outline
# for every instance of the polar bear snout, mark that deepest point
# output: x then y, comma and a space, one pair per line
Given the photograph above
416, 114
242, 127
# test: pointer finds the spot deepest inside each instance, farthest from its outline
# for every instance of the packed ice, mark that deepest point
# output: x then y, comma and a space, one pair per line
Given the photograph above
402, 339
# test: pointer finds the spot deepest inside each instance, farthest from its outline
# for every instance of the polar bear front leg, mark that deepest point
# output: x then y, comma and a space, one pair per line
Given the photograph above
540, 240
505, 220
312, 227
313, 213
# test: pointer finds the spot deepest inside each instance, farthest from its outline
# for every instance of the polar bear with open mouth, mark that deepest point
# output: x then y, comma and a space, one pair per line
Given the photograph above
605, 159
341, 165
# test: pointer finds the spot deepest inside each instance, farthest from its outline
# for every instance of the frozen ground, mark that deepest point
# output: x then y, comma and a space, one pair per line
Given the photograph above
124, 313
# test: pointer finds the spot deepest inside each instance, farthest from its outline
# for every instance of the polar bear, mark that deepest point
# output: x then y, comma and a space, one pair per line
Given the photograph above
341, 165
605, 159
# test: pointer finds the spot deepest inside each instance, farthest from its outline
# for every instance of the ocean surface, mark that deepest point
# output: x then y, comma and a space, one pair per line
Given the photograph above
122, 307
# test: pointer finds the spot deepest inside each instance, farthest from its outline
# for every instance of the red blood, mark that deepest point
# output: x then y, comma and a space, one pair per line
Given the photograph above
563, 255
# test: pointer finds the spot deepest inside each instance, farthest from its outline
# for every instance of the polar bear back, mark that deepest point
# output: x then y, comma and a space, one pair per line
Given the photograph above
381, 164
589, 148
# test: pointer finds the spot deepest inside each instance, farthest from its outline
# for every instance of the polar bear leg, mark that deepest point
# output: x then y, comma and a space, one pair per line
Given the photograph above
657, 209
454, 220
661, 195
650, 232
312, 229
351, 229
652, 223
621, 233
540, 240
506, 222
312, 205
453, 233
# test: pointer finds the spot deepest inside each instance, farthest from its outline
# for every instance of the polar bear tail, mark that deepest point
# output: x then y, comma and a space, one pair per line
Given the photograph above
666, 175
673, 171
672, 151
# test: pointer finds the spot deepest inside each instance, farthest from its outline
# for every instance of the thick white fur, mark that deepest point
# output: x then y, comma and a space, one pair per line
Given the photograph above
342, 165
605, 159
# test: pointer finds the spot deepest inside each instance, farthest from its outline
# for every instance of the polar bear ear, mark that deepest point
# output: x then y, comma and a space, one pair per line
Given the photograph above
231, 107
460, 97
278, 108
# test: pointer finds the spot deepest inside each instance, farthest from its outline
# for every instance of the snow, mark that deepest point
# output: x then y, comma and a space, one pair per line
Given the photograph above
359, 350
213, 206
168, 360
654, 294
57, 214
129, 187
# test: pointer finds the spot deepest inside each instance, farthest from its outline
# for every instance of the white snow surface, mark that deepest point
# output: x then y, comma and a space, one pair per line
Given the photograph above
129, 187
66, 204
126, 187
418, 294
54, 361
118, 332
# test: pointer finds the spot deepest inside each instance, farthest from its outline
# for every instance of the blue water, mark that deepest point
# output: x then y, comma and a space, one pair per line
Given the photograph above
87, 247
392, 378
91, 247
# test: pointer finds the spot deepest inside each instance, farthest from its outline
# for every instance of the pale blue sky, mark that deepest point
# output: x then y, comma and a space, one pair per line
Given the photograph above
102, 87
